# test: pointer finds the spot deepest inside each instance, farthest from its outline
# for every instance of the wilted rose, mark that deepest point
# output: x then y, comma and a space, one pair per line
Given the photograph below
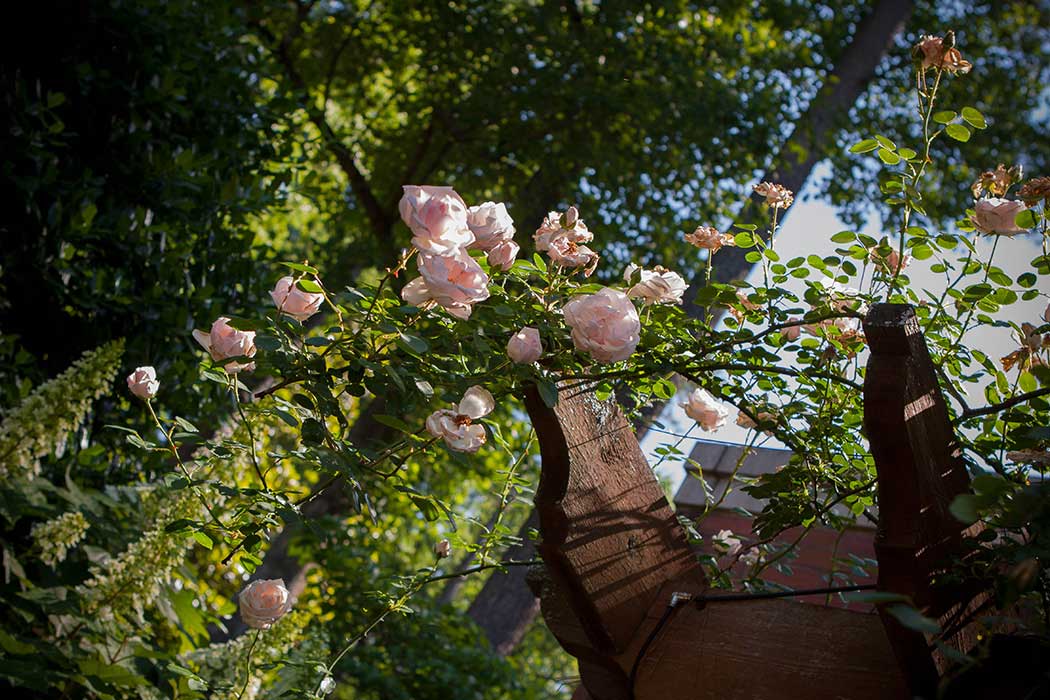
995, 182
709, 238
1036, 189
291, 300
503, 255
934, 52
791, 333
264, 602
891, 261
709, 413
656, 286
491, 225
604, 324
456, 427
524, 347
224, 341
143, 382
564, 252
437, 217
456, 282
553, 228
776, 196
998, 216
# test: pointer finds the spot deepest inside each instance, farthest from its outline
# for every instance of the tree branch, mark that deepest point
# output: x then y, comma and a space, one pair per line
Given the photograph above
1002, 405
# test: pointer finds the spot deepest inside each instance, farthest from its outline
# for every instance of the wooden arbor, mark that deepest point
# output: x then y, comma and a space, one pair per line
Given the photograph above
615, 555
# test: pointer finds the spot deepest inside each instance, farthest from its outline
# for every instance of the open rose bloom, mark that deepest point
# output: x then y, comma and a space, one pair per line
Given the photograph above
264, 602
143, 382
294, 302
437, 217
224, 341
709, 238
493, 231
605, 325
656, 286
708, 412
456, 427
456, 282
997, 216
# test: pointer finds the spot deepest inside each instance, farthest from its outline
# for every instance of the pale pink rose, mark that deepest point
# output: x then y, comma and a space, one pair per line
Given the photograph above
263, 602
709, 413
604, 324
456, 427
143, 382
776, 196
491, 225
996, 216
656, 286
437, 217
725, 539
891, 261
503, 255
224, 341
791, 333
709, 238
524, 347
456, 282
552, 229
291, 300
443, 549
564, 252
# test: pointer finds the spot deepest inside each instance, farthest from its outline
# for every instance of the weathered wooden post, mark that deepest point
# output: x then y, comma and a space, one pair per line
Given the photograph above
615, 555
920, 471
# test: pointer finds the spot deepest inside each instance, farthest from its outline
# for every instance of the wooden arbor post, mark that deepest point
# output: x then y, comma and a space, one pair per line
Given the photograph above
614, 555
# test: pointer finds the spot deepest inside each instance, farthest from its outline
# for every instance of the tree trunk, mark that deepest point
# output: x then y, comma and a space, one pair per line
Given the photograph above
505, 606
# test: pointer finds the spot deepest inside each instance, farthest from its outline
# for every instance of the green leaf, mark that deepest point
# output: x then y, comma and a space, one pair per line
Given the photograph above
964, 508
885, 142
843, 237
888, 157
744, 240
179, 525
203, 539
413, 343
548, 392
309, 286
913, 619
865, 146
974, 118
395, 423
945, 116
1025, 219
958, 132
299, 267
312, 432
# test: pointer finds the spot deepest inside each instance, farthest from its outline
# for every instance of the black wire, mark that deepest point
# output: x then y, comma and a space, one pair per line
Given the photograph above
734, 597
677, 603
664, 619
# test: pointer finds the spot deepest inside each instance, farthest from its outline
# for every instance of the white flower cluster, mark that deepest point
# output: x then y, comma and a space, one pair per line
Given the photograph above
57, 536
124, 586
287, 640
40, 424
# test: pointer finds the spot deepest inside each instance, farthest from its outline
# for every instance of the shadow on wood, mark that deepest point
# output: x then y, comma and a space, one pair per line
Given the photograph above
614, 554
